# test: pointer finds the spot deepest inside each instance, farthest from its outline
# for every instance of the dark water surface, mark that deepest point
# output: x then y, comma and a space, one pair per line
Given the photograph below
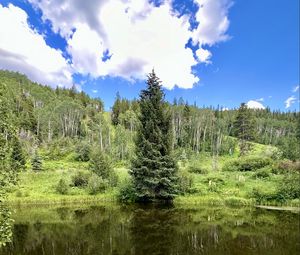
148, 230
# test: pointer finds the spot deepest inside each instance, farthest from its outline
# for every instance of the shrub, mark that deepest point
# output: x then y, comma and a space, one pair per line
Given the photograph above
186, 181
59, 148
127, 192
80, 179
262, 196
196, 168
62, 187
262, 173
96, 184
249, 163
285, 166
289, 188
215, 179
83, 152
101, 166
36, 162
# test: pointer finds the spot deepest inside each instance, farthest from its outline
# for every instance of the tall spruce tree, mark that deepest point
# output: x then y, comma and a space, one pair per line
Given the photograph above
18, 160
154, 171
244, 128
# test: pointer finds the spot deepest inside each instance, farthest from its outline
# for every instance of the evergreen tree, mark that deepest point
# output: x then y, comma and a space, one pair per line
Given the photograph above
101, 166
36, 162
244, 128
17, 156
154, 171
116, 110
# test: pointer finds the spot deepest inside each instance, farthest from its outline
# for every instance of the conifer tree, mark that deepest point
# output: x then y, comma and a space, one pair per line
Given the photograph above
154, 171
17, 156
36, 162
244, 128
101, 165
116, 110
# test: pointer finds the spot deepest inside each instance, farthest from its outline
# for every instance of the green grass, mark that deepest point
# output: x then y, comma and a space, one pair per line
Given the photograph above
216, 187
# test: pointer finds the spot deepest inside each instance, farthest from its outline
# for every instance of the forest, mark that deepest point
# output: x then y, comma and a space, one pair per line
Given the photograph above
59, 144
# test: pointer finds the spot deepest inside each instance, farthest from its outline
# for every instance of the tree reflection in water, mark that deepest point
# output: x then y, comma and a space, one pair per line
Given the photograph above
152, 230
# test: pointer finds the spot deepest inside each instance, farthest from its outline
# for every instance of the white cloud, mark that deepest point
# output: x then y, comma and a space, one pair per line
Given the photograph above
224, 109
252, 104
137, 35
203, 55
95, 91
213, 21
25, 50
291, 100
296, 88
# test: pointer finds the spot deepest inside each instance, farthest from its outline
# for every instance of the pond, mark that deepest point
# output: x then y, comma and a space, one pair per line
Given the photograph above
148, 230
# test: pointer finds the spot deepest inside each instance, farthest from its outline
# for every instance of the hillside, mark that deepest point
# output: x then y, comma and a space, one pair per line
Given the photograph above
61, 130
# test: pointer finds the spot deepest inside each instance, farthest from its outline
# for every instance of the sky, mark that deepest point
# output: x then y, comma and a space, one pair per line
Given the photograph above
209, 52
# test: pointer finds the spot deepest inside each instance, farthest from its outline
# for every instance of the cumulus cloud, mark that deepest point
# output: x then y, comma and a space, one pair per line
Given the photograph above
213, 21
291, 100
137, 35
203, 55
23, 49
252, 104
95, 91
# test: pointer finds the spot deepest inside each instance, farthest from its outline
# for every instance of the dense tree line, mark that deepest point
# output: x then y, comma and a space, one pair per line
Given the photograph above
42, 117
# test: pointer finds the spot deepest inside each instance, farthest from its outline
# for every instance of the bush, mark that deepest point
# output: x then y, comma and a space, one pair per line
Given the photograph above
127, 192
83, 152
286, 166
289, 188
249, 163
186, 182
214, 183
96, 185
262, 173
196, 168
101, 166
59, 149
36, 162
80, 179
62, 187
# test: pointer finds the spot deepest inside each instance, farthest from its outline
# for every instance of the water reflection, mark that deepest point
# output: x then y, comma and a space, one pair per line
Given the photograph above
152, 230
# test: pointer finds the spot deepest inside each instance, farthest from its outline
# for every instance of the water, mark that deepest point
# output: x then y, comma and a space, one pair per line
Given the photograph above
149, 230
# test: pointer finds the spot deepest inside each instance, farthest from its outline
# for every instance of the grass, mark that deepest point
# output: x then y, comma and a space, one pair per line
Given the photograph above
214, 187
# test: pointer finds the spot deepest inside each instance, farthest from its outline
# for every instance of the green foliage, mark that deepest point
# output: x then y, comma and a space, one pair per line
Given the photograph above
154, 169
286, 166
62, 187
289, 188
100, 165
5, 225
83, 151
127, 192
290, 148
17, 156
96, 184
249, 163
244, 128
186, 182
80, 179
262, 173
36, 162
197, 168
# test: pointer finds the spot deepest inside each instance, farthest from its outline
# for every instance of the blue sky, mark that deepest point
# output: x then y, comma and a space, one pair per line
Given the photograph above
219, 52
